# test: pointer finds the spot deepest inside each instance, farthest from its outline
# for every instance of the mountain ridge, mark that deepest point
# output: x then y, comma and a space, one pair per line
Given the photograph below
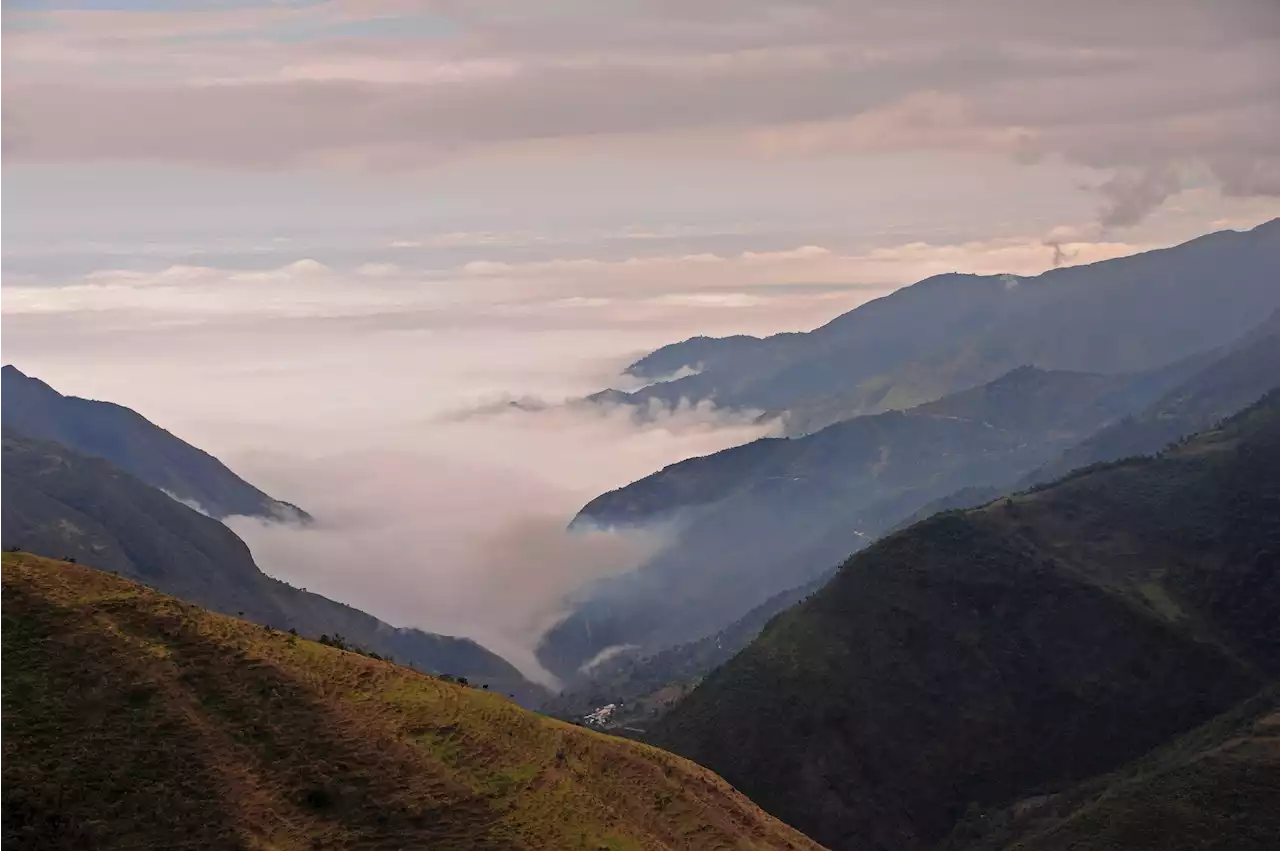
755, 520
986, 655
955, 330
137, 445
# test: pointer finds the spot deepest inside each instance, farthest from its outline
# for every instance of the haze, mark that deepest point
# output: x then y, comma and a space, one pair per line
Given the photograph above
325, 241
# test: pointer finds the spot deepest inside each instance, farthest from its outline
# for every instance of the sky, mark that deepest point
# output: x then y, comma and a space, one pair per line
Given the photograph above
322, 239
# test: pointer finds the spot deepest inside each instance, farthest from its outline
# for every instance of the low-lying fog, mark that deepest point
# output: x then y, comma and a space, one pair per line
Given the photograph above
371, 395
376, 404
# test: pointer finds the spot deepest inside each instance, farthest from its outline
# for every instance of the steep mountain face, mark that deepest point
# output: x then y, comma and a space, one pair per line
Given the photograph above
134, 720
984, 656
60, 503
755, 520
136, 445
1214, 789
955, 331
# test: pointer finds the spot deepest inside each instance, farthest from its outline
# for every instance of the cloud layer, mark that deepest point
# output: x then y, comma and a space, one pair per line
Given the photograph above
1162, 93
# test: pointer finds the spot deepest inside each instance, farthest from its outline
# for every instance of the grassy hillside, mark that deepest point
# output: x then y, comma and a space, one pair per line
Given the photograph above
1215, 789
984, 656
59, 503
134, 720
135, 444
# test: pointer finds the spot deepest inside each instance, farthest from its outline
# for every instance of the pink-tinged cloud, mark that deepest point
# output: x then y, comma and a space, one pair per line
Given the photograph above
1170, 90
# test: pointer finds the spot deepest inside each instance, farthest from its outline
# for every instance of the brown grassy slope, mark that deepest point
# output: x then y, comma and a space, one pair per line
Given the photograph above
134, 720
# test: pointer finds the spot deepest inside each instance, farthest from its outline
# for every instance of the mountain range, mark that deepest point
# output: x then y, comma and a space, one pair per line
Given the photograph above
1011, 581
750, 522
985, 656
954, 331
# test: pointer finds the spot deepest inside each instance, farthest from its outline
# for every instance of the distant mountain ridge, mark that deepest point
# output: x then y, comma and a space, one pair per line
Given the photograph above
62, 504
134, 444
953, 331
1217, 385
755, 520
985, 656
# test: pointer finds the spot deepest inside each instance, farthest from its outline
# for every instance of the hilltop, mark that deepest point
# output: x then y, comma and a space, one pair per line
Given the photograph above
983, 656
134, 720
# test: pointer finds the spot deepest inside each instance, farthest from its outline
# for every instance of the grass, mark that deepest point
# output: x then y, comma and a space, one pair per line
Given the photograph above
134, 720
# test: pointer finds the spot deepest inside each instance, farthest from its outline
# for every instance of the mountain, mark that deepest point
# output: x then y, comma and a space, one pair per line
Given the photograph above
984, 656
136, 445
643, 688
134, 720
1228, 379
953, 331
60, 503
1239, 374
755, 520
1216, 788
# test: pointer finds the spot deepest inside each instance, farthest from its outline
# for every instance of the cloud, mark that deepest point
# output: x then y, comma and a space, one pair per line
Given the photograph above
1131, 196
1140, 87
425, 417
457, 531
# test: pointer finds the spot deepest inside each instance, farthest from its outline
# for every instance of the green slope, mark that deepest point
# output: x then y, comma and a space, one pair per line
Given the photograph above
59, 503
983, 656
134, 720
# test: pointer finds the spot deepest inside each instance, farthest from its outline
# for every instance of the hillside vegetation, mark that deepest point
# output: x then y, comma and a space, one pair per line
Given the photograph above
133, 720
984, 656
63, 504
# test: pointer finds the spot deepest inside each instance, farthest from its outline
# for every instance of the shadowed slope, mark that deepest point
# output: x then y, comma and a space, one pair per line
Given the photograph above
1215, 789
133, 720
979, 657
